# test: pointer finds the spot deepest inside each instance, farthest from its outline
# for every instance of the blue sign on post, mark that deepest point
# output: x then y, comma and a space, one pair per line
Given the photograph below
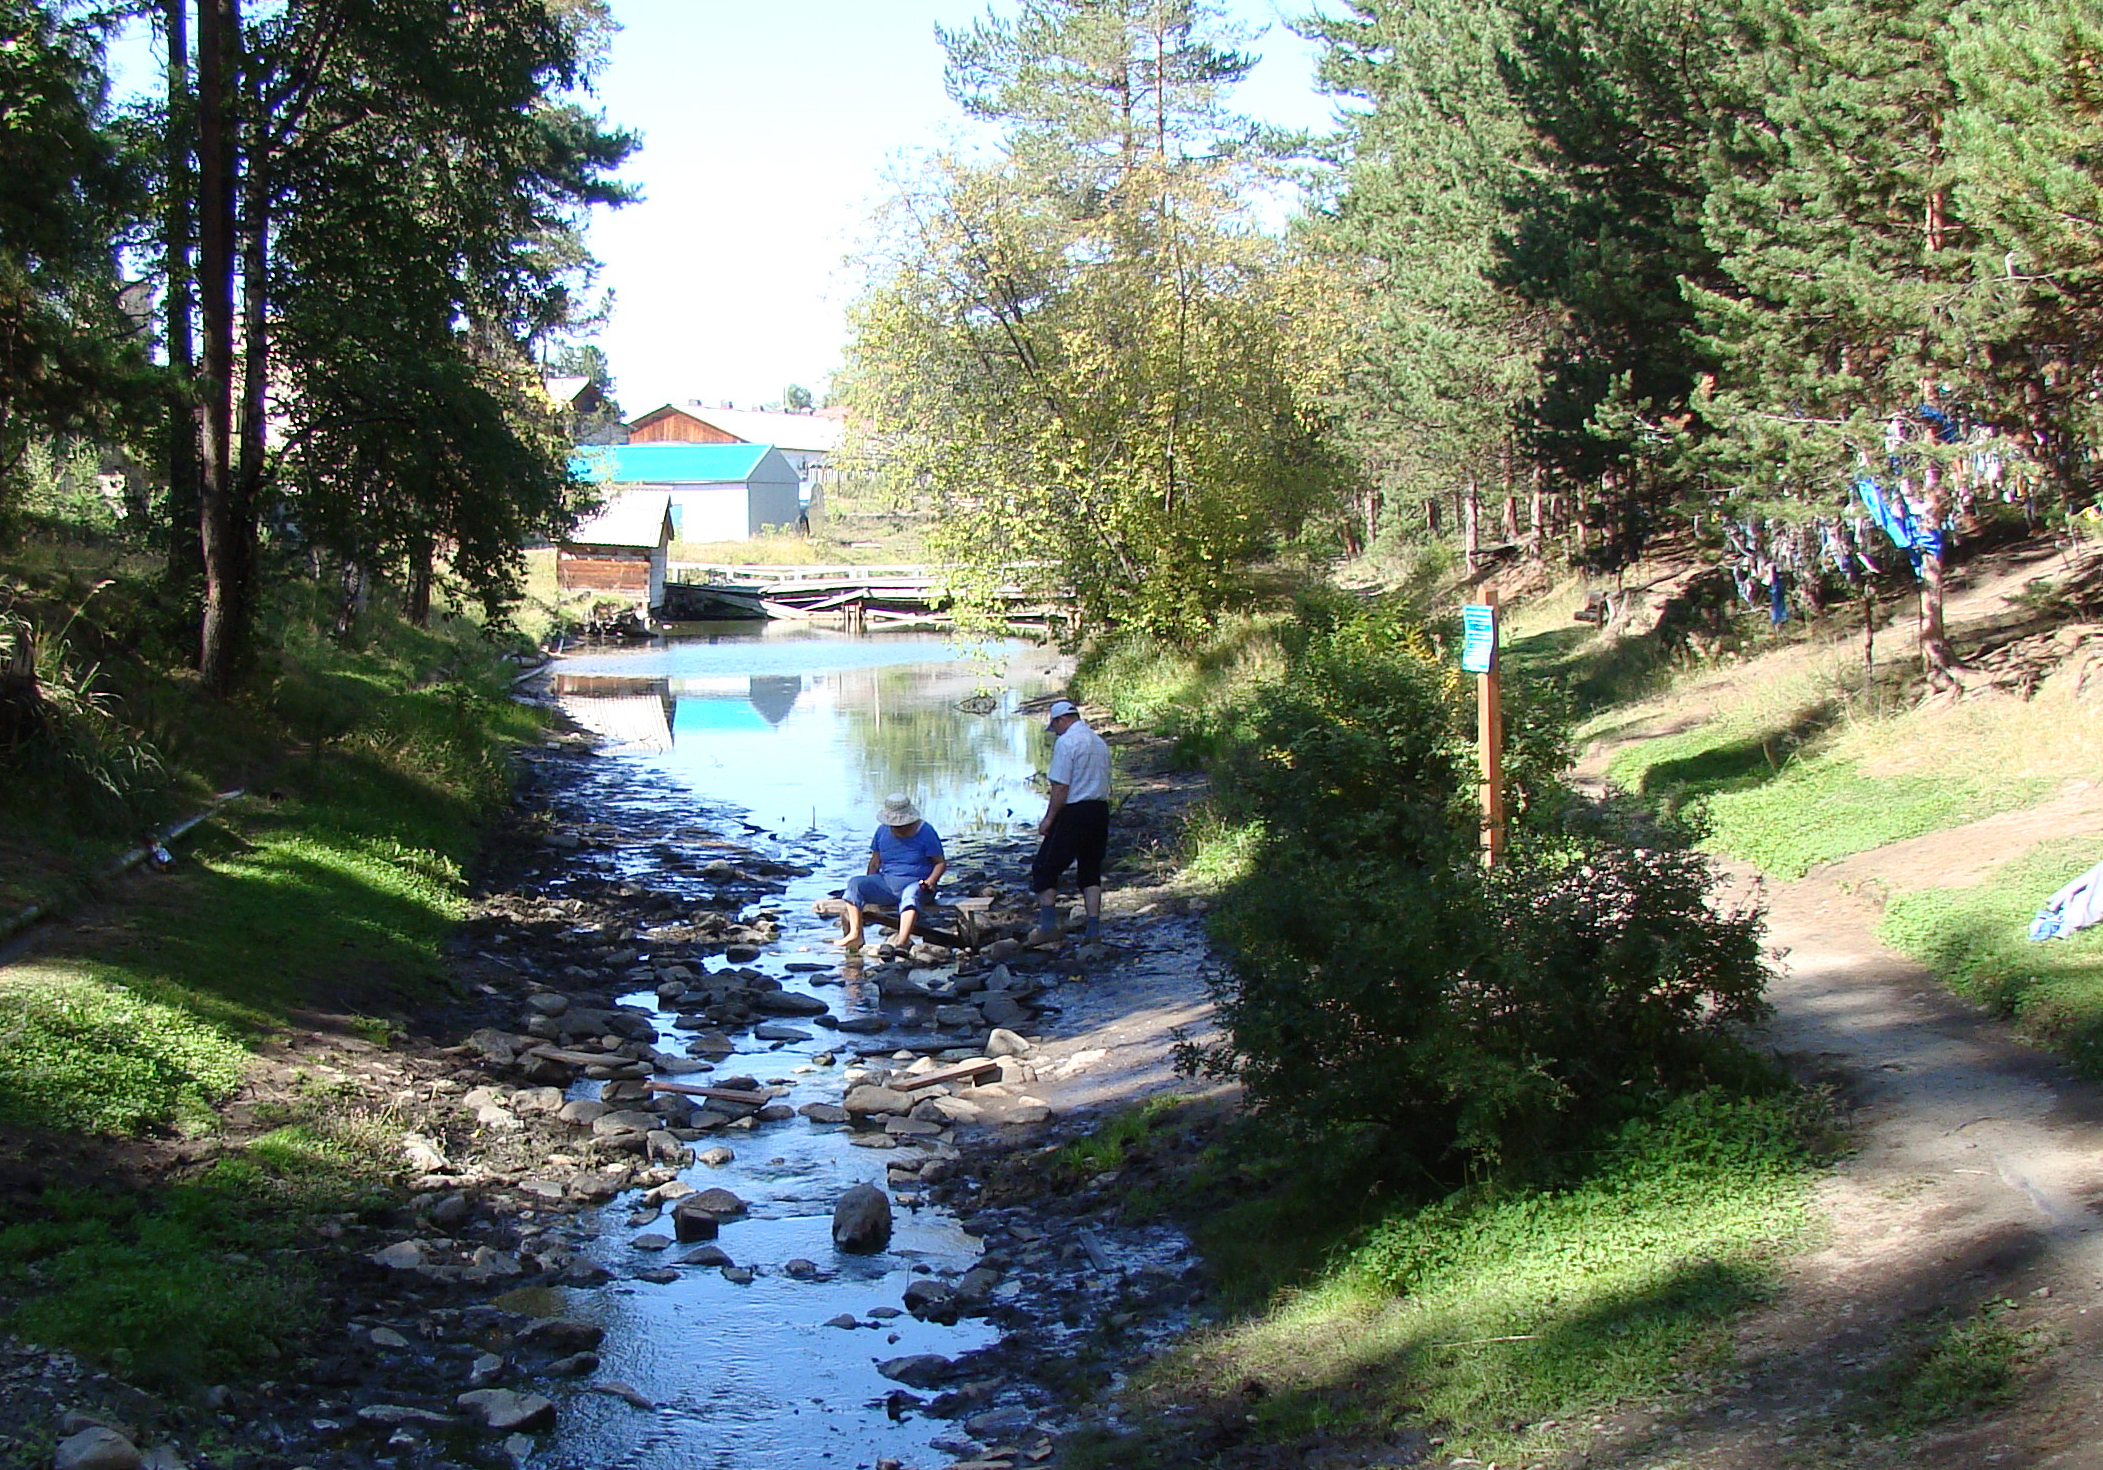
1478, 647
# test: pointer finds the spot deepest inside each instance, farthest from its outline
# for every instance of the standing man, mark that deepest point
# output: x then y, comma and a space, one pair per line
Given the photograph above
1076, 825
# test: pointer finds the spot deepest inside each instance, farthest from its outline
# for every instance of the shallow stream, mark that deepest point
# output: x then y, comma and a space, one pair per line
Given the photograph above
786, 740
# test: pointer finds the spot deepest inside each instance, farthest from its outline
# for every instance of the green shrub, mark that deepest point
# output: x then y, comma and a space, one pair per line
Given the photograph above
1476, 1017
1379, 976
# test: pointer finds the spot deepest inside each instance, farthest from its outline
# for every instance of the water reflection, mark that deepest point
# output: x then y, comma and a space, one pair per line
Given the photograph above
630, 714
810, 733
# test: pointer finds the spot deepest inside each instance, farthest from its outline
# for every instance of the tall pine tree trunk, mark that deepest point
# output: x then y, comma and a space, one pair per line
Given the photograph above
1534, 513
421, 559
253, 446
218, 39
1471, 525
1506, 475
185, 550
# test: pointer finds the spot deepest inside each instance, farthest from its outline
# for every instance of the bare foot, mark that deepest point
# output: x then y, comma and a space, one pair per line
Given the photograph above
849, 941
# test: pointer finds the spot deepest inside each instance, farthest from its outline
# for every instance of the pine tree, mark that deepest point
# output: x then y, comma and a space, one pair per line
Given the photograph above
71, 361
1851, 295
2025, 144
1442, 355
1621, 97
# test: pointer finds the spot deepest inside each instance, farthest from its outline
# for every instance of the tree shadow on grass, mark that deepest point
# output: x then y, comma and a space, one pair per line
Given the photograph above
1733, 764
135, 1016
1598, 671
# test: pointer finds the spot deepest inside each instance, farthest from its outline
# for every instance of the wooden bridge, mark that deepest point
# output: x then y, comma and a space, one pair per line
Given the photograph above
860, 598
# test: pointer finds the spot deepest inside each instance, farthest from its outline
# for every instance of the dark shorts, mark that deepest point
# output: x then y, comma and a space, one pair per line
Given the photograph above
1080, 834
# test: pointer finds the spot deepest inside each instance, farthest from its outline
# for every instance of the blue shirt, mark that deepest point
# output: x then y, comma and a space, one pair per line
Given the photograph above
909, 858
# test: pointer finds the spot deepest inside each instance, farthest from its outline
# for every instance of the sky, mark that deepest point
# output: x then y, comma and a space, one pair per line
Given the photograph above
767, 127
766, 131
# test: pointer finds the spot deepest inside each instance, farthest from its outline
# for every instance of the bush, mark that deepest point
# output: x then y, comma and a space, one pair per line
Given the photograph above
1379, 976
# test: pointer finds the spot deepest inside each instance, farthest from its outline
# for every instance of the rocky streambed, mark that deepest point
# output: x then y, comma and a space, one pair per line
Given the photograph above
627, 1150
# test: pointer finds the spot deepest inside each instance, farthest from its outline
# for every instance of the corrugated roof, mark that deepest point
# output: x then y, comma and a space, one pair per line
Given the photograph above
668, 464
635, 518
809, 432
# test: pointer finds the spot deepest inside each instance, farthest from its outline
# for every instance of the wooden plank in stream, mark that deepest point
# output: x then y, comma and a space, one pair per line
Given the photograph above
583, 1058
834, 907
978, 1069
720, 1094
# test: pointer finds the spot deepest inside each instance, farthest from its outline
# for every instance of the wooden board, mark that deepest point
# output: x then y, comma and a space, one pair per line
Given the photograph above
980, 1070
720, 1094
585, 1058
834, 907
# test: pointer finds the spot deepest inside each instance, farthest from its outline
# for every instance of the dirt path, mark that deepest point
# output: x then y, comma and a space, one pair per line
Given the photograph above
1976, 1179
1974, 1188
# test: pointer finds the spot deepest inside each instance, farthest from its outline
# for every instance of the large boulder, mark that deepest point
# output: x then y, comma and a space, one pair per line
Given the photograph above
933, 1301
494, 1045
1001, 1042
97, 1448
867, 1098
631, 1026
1002, 1011
861, 1220
787, 1003
503, 1412
561, 1335
697, 1216
607, 1125
917, 1370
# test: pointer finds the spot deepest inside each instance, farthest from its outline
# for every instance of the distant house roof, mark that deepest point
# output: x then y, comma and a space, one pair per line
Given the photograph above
809, 432
636, 518
669, 464
564, 390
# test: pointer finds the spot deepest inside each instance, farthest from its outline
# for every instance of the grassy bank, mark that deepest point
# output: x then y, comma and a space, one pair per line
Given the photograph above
1370, 1302
1499, 1323
373, 760
1785, 766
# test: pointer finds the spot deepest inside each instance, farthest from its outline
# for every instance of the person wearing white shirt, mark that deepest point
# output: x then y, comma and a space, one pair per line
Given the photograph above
1076, 825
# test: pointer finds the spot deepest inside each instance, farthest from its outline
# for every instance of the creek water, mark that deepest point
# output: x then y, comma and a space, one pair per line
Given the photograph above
787, 740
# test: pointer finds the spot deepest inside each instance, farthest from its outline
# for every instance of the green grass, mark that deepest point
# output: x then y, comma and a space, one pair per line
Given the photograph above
335, 896
87, 1052
1779, 798
1105, 1149
372, 757
1978, 939
1488, 1313
1189, 694
205, 1279
1958, 1369
1824, 808
1599, 672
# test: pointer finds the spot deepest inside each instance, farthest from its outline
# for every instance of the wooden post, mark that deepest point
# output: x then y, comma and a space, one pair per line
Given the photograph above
1490, 721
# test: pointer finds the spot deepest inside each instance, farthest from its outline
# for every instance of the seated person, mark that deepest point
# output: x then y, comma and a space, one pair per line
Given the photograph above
905, 864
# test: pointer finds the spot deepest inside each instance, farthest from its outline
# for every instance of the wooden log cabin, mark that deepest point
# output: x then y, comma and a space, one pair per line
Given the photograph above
621, 552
